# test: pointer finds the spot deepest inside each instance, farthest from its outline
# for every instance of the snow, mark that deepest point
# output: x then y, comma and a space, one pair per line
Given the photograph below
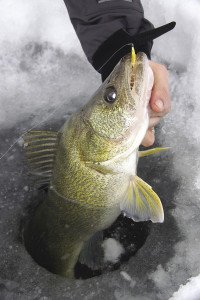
43, 80
26, 21
160, 277
36, 39
127, 277
189, 291
112, 250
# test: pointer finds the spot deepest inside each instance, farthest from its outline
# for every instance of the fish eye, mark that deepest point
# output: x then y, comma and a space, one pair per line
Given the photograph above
110, 94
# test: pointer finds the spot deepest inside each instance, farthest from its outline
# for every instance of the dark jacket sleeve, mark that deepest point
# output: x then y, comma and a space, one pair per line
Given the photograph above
95, 21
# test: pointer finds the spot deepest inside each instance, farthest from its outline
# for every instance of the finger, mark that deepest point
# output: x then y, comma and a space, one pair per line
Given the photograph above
149, 138
160, 101
153, 121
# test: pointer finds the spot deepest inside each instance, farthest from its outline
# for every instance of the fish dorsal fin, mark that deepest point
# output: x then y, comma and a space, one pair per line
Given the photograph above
40, 148
141, 203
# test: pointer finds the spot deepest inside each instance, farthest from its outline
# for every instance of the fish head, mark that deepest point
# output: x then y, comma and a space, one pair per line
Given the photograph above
118, 111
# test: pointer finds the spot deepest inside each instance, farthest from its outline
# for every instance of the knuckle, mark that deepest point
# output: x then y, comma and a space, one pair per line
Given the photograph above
159, 67
163, 69
164, 95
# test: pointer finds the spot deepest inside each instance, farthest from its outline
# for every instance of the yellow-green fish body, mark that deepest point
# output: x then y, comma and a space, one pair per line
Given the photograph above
91, 169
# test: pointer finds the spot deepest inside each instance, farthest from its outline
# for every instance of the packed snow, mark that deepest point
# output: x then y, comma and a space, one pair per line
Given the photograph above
112, 250
43, 80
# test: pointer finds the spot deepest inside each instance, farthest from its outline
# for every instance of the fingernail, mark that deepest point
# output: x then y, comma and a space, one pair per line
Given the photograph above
159, 103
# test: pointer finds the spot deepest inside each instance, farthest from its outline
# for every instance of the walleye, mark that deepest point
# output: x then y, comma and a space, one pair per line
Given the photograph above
90, 166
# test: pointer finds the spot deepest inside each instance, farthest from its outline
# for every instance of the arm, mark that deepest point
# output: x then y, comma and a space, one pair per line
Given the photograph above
98, 22
95, 21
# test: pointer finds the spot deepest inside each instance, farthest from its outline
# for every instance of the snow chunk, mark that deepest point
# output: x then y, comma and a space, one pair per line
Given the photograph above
26, 188
189, 291
112, 250
127, 277
20, 142
160, 277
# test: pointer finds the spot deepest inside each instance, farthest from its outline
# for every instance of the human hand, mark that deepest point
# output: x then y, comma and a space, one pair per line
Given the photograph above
160, 102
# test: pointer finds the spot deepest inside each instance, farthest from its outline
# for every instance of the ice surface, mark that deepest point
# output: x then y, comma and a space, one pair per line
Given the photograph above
45, 76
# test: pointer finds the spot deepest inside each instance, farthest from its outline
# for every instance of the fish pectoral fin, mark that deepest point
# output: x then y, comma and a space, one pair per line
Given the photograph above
152, 151
40, 148
92, 253
100, 168
141, 203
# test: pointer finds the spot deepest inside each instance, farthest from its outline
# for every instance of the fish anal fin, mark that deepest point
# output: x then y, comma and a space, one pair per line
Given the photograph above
141, 203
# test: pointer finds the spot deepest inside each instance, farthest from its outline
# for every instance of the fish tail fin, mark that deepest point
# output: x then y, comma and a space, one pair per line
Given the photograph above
92, 252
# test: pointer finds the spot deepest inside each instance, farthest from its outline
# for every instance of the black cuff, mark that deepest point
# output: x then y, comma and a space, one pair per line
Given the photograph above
120, 43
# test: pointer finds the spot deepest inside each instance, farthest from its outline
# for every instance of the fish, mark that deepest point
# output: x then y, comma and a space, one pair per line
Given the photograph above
90, 166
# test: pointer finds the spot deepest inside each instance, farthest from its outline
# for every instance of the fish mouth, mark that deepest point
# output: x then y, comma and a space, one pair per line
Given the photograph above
138, 80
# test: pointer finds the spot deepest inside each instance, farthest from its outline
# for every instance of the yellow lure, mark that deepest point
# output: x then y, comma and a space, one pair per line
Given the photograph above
133, 56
